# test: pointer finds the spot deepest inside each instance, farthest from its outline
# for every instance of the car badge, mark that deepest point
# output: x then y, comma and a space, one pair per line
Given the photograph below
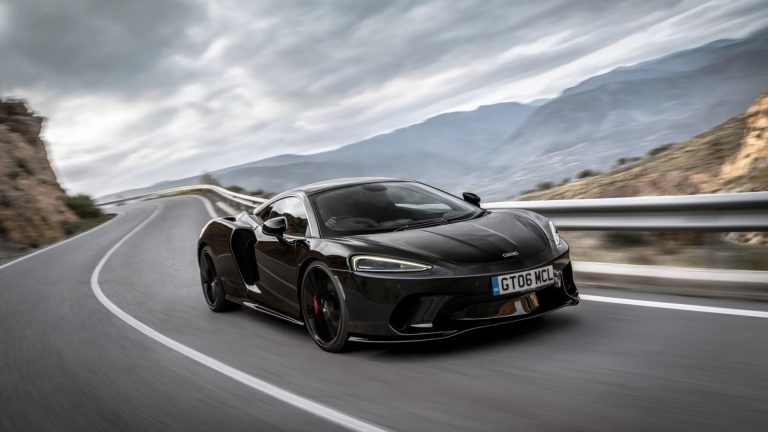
510, 254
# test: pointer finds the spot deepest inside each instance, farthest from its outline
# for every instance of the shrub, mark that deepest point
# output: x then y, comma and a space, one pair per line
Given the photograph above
660, 149
542, 186
588, 173
83, 206
262, 193
71, 228
621, 239
236, 189
626, 160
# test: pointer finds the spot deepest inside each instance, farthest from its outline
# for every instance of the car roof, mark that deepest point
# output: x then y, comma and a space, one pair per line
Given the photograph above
342, 182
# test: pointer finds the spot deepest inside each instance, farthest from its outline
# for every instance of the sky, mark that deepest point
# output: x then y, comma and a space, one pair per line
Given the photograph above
141, 91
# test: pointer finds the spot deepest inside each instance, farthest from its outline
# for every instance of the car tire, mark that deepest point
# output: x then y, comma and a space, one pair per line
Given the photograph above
213, 291
323, 308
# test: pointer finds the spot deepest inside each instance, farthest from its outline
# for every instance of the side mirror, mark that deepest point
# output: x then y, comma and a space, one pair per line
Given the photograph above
275, 226
471, 198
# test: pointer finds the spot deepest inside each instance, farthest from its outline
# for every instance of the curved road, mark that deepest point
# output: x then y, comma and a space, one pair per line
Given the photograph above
67, 362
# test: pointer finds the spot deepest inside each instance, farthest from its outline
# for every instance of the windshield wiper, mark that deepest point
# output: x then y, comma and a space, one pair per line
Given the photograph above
424, 223
466, 216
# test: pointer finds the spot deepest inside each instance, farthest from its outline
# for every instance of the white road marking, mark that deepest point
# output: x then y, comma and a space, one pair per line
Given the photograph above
295, 400
677, 306
59, 243
208, 206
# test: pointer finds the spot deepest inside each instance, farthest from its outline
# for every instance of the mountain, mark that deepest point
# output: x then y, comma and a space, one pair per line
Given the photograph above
445, 144
500, 150
731, 157
32, 209
628, 111
681, 61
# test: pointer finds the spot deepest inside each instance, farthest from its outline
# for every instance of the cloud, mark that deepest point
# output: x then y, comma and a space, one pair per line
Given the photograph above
94, 45
141, 91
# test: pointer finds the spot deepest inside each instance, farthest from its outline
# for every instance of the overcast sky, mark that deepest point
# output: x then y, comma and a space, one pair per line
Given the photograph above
139, 91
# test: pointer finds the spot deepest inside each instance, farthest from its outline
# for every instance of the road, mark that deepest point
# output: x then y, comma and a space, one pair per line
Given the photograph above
68, 362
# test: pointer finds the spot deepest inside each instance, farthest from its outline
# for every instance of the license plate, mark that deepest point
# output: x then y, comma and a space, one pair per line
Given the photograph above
523, 281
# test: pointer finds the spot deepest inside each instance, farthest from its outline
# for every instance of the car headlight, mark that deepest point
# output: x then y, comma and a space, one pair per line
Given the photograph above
555, 235
384, 264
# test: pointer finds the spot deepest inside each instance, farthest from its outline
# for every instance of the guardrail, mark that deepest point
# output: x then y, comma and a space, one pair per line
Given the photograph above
241, 200
747, 211
714, 212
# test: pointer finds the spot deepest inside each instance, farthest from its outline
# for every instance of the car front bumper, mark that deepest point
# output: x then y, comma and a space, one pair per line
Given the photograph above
396, 308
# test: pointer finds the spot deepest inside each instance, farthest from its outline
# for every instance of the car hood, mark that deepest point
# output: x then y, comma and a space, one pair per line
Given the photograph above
483, 239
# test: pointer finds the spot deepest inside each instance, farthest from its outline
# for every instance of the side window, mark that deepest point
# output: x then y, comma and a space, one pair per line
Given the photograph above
293, 210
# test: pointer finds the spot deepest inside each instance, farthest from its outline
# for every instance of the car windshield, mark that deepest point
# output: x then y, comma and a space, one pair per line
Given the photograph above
387, 206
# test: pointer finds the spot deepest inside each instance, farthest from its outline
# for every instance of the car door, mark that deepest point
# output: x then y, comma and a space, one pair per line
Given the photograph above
276, 257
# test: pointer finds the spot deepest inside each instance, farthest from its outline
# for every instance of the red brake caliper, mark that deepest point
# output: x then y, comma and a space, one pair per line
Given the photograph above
316, 305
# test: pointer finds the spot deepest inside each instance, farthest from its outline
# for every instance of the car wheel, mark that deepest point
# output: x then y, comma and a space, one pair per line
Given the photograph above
211, 282
323, 308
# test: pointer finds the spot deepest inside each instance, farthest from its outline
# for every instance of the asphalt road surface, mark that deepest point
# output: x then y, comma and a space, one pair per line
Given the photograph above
148, 355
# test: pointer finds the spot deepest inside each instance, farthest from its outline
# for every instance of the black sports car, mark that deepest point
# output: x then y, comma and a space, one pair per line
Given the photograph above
379, 260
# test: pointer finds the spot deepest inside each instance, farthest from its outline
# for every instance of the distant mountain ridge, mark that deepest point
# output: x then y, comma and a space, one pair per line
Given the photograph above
681, 61
447, 143
445, 136
499, 150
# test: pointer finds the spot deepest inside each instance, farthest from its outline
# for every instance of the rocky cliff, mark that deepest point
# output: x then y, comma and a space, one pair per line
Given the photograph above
731, 157
751, 161
32, 209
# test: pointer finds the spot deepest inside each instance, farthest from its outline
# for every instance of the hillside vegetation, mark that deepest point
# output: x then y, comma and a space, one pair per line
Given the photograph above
731, 157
